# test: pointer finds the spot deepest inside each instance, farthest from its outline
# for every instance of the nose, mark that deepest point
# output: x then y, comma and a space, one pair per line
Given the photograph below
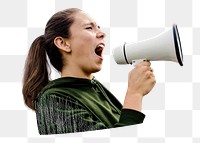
101, 34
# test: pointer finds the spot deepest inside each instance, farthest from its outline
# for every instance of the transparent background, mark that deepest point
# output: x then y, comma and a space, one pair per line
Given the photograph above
172, 108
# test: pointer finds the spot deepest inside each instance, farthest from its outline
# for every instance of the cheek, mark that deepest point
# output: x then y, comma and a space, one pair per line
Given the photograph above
86, 39
84, 44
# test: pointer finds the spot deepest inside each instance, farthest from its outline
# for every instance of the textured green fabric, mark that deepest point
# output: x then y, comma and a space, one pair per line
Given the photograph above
71, 104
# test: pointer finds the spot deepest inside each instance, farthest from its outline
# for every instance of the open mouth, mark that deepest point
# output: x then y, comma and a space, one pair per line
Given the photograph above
99, 49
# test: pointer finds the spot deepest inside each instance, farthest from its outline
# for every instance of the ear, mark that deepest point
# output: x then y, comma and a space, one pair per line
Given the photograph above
62, 44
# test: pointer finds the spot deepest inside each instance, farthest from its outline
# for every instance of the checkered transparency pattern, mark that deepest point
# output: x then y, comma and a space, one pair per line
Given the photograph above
172, 108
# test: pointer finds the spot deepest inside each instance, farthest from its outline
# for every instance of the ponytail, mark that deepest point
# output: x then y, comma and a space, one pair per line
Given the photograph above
36, 74
37, 70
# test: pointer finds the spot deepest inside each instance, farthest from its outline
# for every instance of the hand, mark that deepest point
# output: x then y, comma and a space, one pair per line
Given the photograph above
141, 79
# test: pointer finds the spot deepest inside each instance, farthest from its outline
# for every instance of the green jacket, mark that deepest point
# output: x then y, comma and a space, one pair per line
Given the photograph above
72, 104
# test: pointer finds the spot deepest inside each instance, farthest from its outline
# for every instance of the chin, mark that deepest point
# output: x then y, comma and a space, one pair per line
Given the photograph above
97, 69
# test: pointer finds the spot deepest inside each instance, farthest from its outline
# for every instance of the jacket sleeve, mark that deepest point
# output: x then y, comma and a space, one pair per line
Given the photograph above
58, 115
130, 117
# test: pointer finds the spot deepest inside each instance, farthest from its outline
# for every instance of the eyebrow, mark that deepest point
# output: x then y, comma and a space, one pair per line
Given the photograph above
93, 24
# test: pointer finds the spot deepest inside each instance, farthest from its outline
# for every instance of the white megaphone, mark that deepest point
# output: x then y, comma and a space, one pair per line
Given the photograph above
164, 47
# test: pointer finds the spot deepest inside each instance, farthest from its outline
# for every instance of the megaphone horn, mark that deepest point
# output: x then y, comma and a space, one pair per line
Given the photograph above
164, 47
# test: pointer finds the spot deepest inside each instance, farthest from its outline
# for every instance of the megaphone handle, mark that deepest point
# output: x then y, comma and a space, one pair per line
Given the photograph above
135, 62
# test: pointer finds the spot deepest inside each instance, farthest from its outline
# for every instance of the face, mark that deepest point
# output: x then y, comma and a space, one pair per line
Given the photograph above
86, 43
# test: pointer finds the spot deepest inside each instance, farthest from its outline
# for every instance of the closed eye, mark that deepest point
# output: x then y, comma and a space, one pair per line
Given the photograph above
89, 28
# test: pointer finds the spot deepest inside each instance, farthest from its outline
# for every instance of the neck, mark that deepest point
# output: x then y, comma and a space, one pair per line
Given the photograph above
66, 72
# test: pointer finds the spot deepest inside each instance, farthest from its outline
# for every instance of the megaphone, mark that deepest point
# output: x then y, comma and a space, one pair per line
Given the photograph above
163, 47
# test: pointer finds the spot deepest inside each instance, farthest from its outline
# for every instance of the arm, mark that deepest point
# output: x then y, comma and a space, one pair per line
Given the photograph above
141, 81
58, 115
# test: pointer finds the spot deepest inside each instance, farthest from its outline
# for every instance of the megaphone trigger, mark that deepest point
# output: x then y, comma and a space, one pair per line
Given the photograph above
135, 62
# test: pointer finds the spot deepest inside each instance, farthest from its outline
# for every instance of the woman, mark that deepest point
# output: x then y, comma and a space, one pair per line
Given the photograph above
77, 102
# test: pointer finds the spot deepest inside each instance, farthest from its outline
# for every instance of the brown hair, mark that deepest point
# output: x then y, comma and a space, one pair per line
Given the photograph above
37, 69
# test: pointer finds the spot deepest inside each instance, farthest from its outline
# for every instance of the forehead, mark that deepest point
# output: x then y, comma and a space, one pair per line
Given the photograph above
81, 18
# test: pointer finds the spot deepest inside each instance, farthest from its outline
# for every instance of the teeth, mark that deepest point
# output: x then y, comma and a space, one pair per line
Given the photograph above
101, 46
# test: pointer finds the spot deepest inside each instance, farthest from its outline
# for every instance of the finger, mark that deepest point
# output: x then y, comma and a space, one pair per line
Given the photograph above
147, 68
146, 63
153, 79
149, 74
